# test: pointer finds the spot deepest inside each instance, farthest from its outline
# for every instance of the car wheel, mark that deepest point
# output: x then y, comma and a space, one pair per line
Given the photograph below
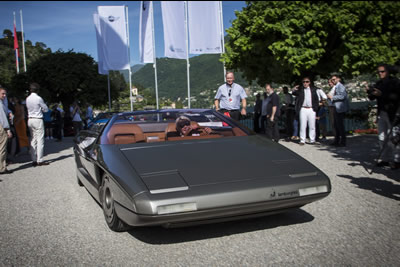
79, 181
108, 204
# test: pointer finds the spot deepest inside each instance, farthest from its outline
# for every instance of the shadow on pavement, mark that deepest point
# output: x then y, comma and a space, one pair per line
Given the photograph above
50, 147
362, 150
29, 162
159, 235
380, 187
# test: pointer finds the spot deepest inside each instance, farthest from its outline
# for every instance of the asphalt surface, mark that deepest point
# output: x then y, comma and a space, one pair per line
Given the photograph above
48, 220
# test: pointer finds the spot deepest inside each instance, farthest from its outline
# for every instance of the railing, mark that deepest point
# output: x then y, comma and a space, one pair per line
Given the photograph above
349, 124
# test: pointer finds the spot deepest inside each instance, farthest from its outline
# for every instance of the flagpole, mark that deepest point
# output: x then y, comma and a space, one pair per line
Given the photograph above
23, 42
222, 35
109, 91
154, 55
129, 55
187, 52
16, 49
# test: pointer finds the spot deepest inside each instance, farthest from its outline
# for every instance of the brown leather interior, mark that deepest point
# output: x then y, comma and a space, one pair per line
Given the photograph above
171, 127
129, 133
125, 134
179, 138
238, 132
154, 137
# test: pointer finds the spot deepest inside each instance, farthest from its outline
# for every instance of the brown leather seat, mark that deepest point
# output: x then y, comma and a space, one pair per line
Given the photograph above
125, 134
171, 127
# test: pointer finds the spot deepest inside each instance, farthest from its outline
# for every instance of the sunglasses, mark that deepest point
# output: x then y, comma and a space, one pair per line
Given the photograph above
381, 71
229, 93
306, 81
183, 123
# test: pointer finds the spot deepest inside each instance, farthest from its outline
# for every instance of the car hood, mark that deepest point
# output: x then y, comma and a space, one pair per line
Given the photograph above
214, 161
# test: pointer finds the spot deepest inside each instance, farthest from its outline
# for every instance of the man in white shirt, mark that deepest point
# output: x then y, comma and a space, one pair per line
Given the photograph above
36, 107
228, 98
75, 112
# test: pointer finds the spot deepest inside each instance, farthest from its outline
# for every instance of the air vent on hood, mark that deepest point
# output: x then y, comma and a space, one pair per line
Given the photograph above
164, 181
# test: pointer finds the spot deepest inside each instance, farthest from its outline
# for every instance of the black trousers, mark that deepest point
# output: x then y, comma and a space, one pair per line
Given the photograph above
263, 122
340, 134
289, 121
57, 130
257, 122
273, 129
235, 114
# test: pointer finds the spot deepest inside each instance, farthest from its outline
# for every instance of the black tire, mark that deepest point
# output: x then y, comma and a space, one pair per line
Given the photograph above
107, 202
79, 181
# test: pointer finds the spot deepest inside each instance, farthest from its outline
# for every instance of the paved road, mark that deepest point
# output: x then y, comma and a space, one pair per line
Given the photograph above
48, 220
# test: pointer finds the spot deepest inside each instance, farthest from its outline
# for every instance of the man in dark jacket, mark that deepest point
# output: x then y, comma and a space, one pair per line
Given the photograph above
272, 114
387, 93
257, 113
306, 106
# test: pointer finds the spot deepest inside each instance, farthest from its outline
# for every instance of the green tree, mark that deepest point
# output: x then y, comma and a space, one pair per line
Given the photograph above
69, 76
7, 56
281, 40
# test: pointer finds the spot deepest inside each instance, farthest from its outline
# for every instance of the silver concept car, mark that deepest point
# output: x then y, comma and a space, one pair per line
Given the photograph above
142, 172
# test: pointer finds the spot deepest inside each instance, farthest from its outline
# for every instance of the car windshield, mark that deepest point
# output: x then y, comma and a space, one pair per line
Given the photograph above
156, 126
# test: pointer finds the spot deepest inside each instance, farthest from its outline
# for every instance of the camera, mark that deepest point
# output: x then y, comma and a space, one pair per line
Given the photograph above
371, 89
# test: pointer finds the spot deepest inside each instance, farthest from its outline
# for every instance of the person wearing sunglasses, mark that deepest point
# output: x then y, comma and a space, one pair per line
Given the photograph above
306, 106
229, 96
185, 128
340, 100
387, 94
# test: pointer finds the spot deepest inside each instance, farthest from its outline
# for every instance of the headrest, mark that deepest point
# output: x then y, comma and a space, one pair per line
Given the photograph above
125, 134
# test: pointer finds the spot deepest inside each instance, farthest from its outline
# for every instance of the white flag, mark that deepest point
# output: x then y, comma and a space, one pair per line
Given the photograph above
146, 32
204, 27
100, 54
114, 37
173, 16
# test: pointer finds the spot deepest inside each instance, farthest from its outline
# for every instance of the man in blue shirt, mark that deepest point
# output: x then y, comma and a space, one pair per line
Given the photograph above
5, 132
340, 101
228, 98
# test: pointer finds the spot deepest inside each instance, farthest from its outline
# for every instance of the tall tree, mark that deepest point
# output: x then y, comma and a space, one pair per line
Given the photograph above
69, 76
7, 56
281, 40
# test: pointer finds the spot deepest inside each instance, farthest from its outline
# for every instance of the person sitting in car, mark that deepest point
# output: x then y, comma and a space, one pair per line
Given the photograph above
185, 128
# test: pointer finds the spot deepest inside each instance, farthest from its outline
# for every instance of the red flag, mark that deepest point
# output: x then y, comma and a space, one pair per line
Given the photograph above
15, 38
16, 48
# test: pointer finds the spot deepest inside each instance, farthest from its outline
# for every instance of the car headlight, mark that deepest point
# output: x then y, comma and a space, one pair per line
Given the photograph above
313, 190
176, 208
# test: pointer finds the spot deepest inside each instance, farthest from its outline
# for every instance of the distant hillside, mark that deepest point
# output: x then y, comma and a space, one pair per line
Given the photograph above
134, 69
206, 74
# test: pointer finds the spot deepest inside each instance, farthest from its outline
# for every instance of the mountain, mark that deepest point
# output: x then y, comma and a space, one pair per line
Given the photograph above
206, 74
134, 69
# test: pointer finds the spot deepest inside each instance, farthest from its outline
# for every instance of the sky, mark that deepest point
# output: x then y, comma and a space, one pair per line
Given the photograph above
69, 25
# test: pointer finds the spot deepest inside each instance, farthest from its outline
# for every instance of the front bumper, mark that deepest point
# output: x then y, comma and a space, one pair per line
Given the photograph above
230, 213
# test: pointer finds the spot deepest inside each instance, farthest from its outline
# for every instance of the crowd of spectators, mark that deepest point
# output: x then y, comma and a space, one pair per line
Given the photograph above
309, 109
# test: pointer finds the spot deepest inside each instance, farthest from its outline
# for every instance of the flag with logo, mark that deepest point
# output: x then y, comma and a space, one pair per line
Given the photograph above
173, 17
113, 31
100, 49
146, 32
205, 27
